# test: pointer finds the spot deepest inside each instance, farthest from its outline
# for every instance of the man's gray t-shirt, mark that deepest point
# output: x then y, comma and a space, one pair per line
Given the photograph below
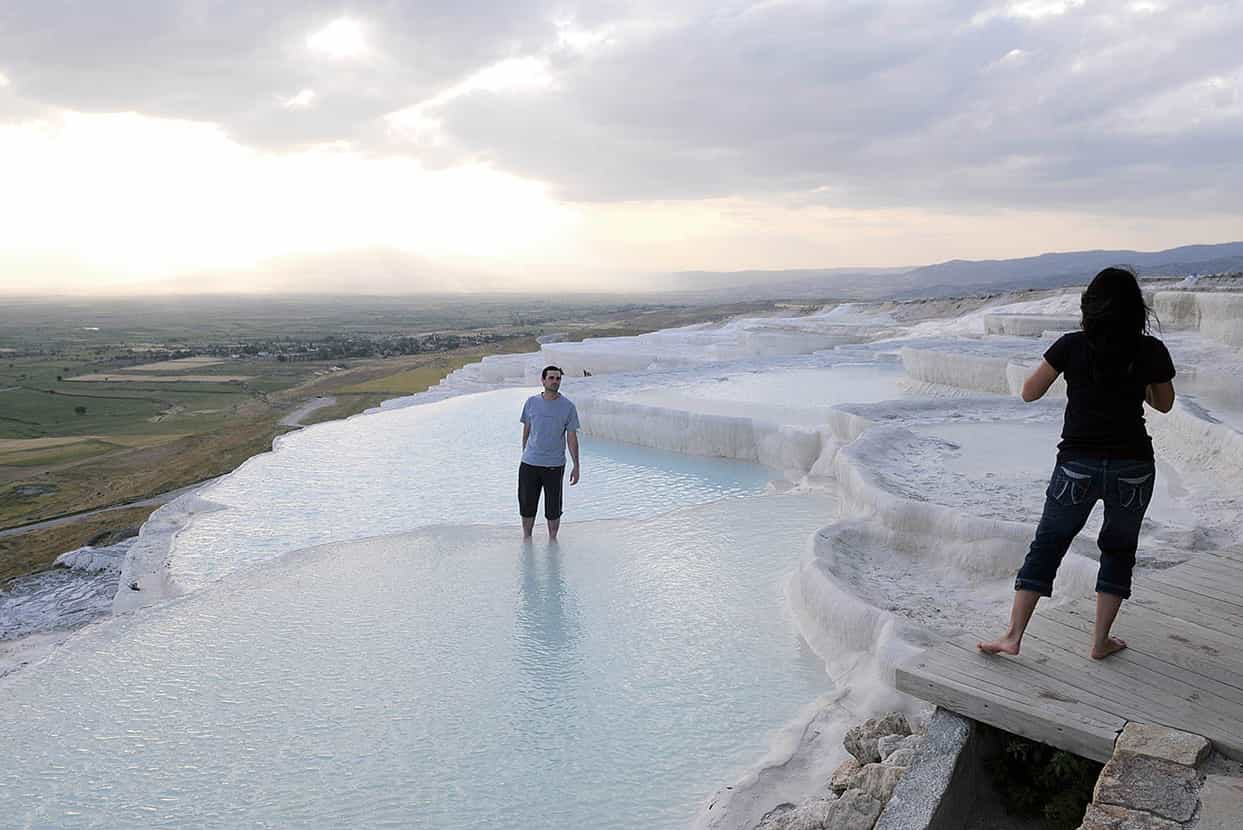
549, 420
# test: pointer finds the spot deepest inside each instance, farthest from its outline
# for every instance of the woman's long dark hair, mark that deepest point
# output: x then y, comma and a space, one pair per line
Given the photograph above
1115, 317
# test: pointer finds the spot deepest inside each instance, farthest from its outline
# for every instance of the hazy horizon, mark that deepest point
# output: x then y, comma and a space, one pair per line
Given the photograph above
648, 286
534, 146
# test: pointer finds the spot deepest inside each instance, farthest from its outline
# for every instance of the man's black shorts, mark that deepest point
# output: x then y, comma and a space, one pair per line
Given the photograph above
531, 480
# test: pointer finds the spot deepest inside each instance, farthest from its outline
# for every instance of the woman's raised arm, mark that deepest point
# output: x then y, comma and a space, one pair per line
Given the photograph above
1039, 381
1160, 396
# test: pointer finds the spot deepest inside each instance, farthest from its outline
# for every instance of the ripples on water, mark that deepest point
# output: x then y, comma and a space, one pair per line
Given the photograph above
448, 463
449, 678
789, 396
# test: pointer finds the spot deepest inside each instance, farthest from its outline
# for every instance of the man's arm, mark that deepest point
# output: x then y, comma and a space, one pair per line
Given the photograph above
571, 440
526, 433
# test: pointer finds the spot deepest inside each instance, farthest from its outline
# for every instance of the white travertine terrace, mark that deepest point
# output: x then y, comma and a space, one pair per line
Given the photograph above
1028, 325
1217, 315
902, 566
936, 469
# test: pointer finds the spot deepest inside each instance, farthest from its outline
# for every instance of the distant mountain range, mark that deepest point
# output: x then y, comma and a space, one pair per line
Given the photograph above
384, 272
957, 276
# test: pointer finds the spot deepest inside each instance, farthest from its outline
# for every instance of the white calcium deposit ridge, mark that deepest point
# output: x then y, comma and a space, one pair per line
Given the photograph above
899, 457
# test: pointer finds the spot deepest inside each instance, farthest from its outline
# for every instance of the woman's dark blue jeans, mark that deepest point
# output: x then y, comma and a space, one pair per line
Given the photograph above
1126, 488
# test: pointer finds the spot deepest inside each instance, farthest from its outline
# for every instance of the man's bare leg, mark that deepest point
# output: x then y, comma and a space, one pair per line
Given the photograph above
553, 526
528, 527
1020, 615
1103, 645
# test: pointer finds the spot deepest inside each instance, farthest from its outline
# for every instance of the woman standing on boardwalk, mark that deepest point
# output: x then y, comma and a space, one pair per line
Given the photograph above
1112, 367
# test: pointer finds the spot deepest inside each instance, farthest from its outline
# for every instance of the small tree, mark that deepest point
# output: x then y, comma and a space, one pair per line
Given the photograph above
79, 410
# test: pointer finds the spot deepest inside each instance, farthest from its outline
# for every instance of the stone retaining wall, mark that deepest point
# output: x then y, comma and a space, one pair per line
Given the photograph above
1164, 779
1157, 779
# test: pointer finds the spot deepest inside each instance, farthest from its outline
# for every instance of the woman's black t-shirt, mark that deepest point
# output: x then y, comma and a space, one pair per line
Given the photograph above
1105, 415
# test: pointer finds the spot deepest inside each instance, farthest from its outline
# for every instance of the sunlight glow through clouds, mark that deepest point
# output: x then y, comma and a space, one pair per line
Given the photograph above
303, 100
342, 38
153, 196
420, 124
1029, 9
580, 40
1013, 59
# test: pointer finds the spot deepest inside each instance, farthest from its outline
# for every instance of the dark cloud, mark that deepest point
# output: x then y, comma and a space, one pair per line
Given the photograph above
885, 105
954, 103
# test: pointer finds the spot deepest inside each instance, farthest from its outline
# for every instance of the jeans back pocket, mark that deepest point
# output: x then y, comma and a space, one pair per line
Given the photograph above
1134, 492
1069, 487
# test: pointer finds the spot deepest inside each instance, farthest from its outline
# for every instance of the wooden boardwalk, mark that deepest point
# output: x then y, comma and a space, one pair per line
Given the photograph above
1183, 668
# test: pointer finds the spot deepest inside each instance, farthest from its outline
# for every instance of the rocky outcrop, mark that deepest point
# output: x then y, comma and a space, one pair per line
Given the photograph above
862, 741
938, 788
856, 793
846, 771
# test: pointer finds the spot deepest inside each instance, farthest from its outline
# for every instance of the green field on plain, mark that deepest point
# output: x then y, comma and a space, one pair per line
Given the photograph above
38, 399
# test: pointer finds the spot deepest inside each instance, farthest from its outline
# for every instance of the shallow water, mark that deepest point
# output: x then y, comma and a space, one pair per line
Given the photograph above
449, 678
1001, 468
61, 598
1224, 407
793, 396
453, 462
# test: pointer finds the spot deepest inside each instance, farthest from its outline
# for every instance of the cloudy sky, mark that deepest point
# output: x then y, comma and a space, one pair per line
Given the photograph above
383, 144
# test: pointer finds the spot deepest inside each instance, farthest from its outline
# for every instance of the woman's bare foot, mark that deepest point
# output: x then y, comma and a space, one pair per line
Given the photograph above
1008, 644
1112, 646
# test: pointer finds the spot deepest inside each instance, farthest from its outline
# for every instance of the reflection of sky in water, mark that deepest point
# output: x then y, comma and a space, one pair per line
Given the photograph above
990, 447
451, 463
1221, 399
452, 678
991, 457
796, 396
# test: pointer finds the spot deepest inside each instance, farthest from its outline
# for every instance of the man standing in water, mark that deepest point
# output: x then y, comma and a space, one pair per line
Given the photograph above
549, 422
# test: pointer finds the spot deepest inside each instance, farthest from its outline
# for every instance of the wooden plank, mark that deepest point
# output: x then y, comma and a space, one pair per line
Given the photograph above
1231, 553
1190, 647
1207, 588
1218, 598
1081, 730
1044, 665
1165, 604
1229, 568
1016, 675
1019, 681
1144, 667
1219, 574
1115, 695
1221, 646
1139, 693
1193, 577
1121, 678
1183, 669
1224, 610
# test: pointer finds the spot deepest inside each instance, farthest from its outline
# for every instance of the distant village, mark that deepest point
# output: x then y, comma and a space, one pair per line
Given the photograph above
288, 349
336, 347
